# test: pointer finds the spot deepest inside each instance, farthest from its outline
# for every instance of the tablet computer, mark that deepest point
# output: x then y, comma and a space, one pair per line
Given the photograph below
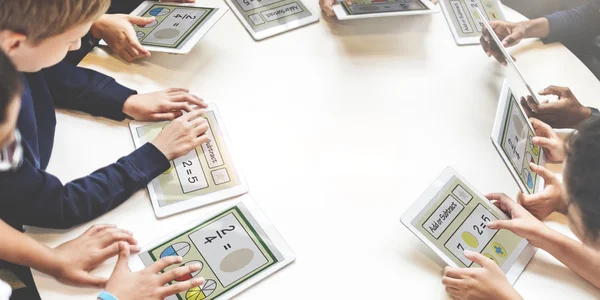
512, 136
465, 21
509, 59
451, 216
177, 27
236, 247
361, 9
265, 18
206, 175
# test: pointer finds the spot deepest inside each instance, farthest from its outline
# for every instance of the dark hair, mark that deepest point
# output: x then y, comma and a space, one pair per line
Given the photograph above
10, 84
582, 174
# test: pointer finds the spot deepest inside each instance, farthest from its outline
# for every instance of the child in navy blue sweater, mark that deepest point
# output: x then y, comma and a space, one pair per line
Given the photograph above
36, 35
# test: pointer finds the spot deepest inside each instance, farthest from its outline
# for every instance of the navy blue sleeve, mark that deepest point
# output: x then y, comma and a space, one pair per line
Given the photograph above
86, 90
38, 198
579, 23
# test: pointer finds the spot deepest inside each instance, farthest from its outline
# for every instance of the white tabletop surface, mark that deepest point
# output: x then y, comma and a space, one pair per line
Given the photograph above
339, 127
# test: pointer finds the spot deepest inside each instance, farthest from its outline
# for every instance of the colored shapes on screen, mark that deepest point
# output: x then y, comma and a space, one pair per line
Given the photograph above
193, 274
169, 170
178, 249
499, 250
159, 11
236, 260
528, 178
490, 257
199, 293
470, 239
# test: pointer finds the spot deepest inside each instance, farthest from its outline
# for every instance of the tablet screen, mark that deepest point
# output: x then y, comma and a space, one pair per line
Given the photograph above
207, 169
382, 6
516, 141
231, 247
173, 25
265, 14
455, 220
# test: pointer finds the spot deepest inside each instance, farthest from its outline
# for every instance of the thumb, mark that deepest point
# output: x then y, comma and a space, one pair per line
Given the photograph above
545, 173
93, 281
510, 40
140, 21
478, 258
122, 262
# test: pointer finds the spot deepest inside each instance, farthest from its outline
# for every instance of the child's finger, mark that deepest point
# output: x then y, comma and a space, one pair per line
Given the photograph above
164, 262
97, 228
479, 259
116, 235
181, 286
88, 280
123, 260
457, 273
451, 282
167, 116
548, 176
173, 274
543, 142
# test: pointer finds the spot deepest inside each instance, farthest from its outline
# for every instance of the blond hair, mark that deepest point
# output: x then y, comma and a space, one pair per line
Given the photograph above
41, 19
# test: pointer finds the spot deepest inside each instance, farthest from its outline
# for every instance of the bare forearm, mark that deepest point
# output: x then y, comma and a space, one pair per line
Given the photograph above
537, 28
581, 259
37, 255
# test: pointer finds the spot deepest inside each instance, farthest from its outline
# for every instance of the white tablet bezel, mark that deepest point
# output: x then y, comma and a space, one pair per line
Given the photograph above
187, 46
465, 40
508, 57
341, 13
503, 103
195, 202
432, 191
136, 264
263, 34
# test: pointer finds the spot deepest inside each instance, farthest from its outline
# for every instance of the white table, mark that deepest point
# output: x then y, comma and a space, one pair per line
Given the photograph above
339, 127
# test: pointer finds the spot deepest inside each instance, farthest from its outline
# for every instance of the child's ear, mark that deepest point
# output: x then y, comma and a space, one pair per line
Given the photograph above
11, 41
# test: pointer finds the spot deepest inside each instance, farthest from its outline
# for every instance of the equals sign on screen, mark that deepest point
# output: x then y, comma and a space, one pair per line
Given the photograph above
227, 247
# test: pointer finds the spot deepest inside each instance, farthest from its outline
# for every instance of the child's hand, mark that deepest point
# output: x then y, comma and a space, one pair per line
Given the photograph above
547, 201
522, 223
183, 135
73, 260
162, 105
118, 33
327, 6
554, 146
487, 282
149, 283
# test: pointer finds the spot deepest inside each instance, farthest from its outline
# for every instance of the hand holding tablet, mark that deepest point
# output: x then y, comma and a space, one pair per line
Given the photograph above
451, 217
512, 136
360, 9
465, 18
204, 175
174, 28
234, 249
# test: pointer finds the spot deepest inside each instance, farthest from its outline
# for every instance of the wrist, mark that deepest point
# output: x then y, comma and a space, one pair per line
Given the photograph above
163, 149
49, 262
97, 27
127, 106
536, 28
540, 235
